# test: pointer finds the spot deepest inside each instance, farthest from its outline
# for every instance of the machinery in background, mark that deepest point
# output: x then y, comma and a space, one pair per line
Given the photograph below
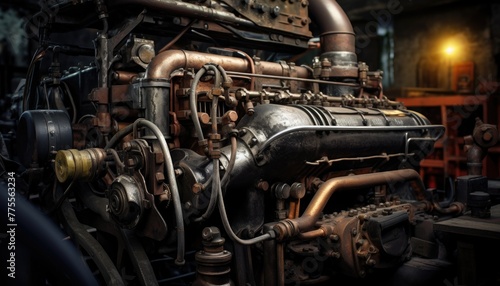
205, 143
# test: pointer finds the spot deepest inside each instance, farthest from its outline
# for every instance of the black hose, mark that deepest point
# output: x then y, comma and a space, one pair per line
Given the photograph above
47, 239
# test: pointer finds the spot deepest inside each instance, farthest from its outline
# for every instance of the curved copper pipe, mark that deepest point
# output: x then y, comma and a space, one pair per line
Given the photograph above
250, 61
336, 30
166, 62
312, 234
291, 227
455, 208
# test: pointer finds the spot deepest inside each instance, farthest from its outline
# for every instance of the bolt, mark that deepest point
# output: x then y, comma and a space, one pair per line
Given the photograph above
178, 172
263, 185
334, 237
197, 187
160, 177
275, 12
387, 212
209, 233
262, 8
354, 232
362, 217
332, 253
127, 146
253, 141
260, 158
371, 262
487, 136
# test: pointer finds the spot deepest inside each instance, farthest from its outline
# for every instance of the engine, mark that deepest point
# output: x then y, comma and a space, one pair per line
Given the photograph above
224, 142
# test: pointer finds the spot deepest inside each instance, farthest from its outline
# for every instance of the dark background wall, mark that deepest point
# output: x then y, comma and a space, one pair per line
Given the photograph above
407, 40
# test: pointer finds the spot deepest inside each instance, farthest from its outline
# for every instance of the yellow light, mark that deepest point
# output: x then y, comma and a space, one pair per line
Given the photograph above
449, 50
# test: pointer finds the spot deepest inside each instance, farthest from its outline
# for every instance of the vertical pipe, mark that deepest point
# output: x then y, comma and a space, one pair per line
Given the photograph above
270, 259
280, 264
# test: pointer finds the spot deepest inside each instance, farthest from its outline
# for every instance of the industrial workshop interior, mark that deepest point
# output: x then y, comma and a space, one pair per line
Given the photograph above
250, 142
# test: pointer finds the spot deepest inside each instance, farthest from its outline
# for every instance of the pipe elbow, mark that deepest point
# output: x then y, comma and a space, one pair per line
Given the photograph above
333, 18
163, 64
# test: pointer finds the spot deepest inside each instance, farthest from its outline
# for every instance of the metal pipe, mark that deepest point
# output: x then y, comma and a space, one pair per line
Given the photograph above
179, 218
475, 155
280, 263
187, 9
336, 30
166, 62
454, 208
320, 232
347, 128
270, 259
292, 227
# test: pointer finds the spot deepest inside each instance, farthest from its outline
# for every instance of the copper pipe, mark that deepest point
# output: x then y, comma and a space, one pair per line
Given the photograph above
250, 61
336, 30
292, 209
312, 234
280, 263
454, 208
124, 77
166, 62
270, 262
292, 227
297, 209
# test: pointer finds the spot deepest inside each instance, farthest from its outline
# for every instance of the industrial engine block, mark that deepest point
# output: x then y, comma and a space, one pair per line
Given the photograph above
223, 142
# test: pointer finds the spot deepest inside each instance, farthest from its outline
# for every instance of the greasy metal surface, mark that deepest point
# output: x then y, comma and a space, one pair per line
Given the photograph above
288, 17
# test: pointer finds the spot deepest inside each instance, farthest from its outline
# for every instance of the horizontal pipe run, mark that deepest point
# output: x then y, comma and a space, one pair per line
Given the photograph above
166, 62
292, 227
